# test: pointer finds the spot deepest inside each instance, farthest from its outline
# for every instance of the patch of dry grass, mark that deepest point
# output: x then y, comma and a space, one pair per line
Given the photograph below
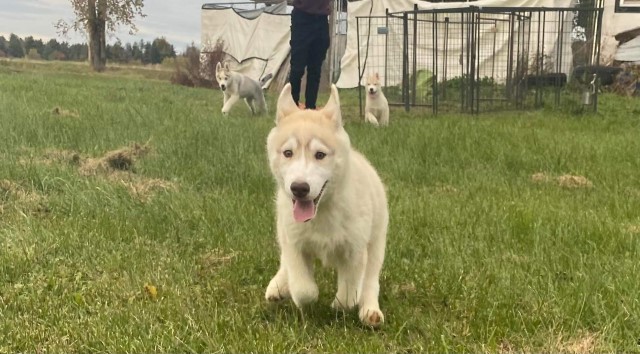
14, 194
632, 229
586, 343
117, 166
565, 181
61, 112
122, 159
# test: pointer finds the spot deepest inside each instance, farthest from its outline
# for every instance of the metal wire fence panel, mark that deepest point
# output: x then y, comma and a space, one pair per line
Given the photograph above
476, 59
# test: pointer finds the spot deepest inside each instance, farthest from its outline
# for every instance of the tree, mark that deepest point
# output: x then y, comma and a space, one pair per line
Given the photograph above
97, 17
161, 49
15, 48
3, 44
49, 48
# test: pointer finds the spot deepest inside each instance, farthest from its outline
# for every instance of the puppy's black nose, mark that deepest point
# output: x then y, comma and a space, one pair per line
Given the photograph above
300, 189
371, 90
223, 87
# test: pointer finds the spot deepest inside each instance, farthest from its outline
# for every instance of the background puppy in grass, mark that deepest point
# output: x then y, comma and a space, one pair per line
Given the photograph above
235, 86
376, 109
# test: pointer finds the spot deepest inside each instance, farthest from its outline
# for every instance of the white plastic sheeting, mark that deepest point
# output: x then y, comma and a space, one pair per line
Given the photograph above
256, 40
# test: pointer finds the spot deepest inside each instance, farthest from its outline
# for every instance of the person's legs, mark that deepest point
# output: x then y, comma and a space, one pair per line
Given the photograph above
301, 39
317, 53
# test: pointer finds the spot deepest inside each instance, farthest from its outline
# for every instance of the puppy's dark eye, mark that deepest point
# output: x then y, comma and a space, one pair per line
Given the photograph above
320, 155
287, 153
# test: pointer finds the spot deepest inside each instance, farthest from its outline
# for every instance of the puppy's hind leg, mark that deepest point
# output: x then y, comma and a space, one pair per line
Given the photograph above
250, 103
261, 104
369, 117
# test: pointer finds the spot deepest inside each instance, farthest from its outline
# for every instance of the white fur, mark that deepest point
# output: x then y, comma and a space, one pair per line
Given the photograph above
348, 232
376, 108
235, 86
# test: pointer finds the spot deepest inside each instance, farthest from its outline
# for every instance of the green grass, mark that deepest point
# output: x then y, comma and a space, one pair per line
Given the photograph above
480, 258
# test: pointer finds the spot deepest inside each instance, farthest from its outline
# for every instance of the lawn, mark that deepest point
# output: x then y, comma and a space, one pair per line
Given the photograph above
135, 218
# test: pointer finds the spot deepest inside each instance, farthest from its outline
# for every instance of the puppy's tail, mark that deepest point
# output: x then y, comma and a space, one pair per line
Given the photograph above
266, 78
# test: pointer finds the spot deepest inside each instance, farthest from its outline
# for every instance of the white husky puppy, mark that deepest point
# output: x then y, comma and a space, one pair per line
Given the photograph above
235, 86
331, 205
376, 108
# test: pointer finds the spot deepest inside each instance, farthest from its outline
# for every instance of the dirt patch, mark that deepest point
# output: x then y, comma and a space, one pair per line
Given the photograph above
565, 181
117, 160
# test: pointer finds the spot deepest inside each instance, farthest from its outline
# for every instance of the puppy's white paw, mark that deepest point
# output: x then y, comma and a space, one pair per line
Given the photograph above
371, 317
276, 292
303, 295
343, 303
225, 113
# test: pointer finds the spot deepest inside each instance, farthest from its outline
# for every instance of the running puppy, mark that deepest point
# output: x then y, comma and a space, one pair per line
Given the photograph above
235, 86
330, 204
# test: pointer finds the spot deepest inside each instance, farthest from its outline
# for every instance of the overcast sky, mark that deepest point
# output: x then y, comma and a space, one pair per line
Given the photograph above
176, 20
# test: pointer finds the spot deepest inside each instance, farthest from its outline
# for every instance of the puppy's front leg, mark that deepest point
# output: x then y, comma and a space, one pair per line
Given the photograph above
369, 117
231, 100
302, 286
384, 116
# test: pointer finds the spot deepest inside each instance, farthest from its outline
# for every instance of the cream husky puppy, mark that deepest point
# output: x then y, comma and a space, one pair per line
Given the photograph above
376, 108
331, 205
235, 86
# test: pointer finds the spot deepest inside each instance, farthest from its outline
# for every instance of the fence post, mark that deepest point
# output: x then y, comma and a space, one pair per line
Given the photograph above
405, 61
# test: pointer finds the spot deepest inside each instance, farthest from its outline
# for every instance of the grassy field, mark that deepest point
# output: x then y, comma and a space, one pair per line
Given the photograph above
135, 218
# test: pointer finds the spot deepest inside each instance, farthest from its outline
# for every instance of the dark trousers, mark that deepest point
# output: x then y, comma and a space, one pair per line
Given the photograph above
309, 44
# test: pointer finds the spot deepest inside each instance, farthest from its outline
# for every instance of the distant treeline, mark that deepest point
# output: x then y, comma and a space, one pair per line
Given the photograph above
139, 52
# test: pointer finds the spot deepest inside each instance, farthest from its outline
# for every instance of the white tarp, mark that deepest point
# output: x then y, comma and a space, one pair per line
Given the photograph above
257, 40
349, 64
629, 51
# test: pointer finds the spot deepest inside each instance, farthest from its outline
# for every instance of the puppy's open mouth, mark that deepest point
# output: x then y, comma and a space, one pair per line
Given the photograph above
305, 210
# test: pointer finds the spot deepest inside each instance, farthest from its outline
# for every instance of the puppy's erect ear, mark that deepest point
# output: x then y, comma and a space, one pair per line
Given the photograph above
218, 67
377, 76
226, 66
285, 105
332, 109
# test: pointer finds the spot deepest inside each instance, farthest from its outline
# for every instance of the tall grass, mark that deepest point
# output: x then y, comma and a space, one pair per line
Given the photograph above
482, 256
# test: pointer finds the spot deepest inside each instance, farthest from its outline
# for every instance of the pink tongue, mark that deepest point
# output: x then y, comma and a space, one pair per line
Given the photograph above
303, 210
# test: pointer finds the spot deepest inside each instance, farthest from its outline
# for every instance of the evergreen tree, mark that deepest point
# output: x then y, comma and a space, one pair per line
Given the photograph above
15, 48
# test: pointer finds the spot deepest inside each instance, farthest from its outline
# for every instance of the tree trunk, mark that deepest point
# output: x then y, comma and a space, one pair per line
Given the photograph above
96, 27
